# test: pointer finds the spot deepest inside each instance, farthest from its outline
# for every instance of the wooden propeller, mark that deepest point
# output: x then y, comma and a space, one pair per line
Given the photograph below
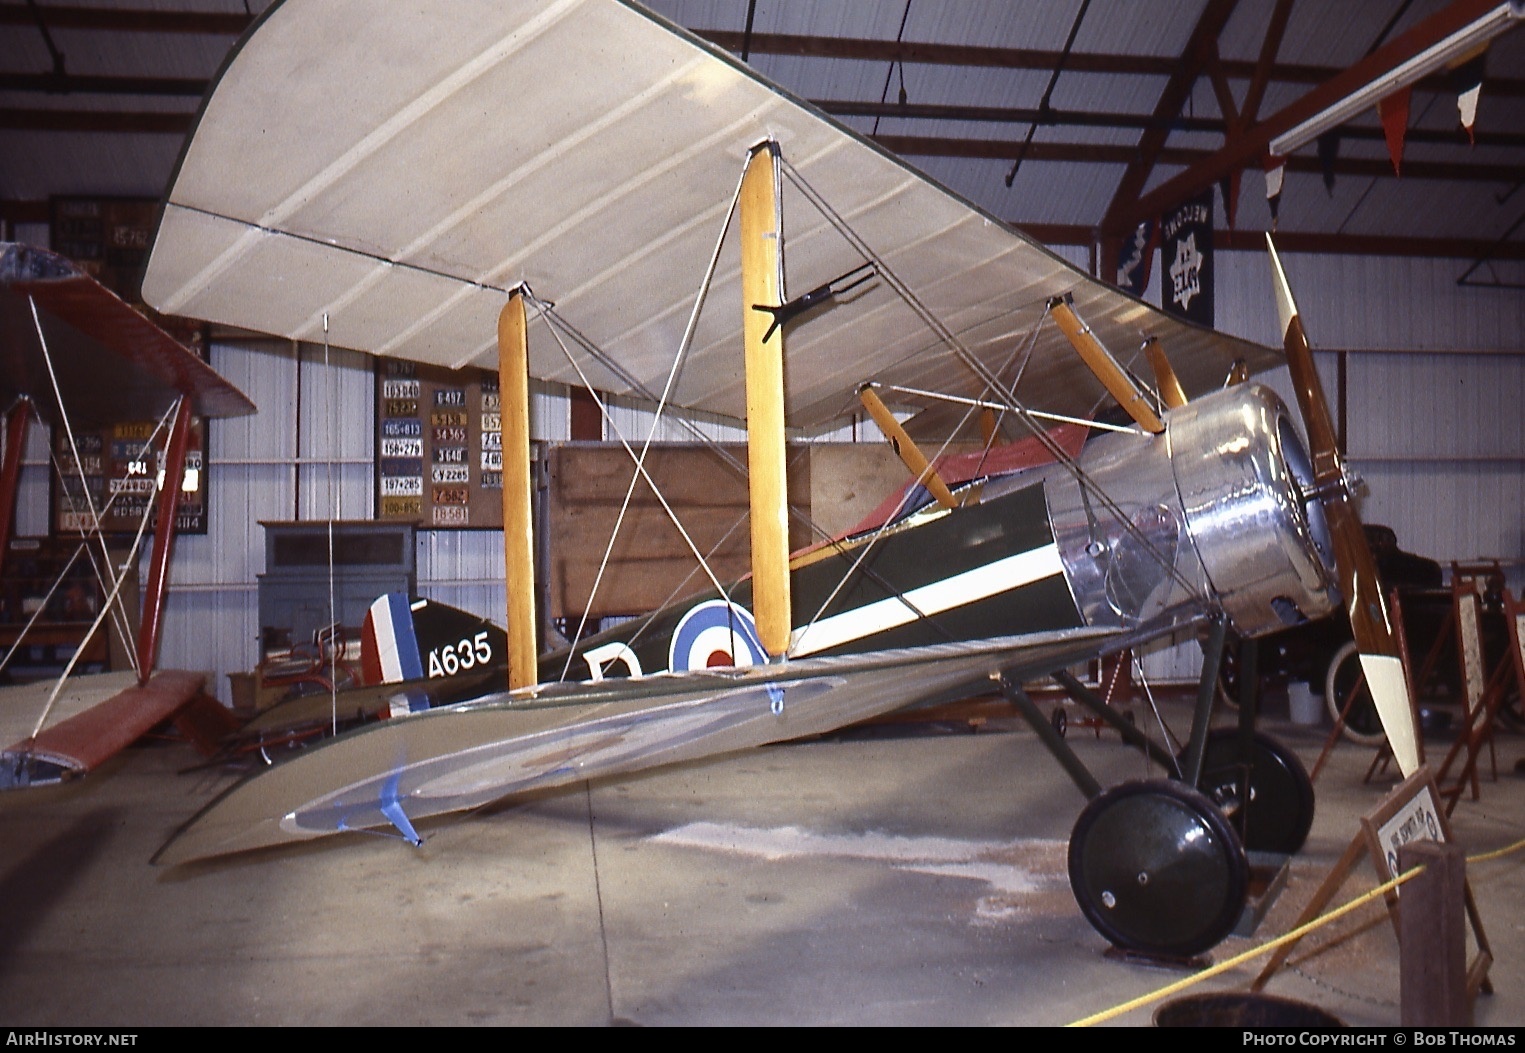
1361, 586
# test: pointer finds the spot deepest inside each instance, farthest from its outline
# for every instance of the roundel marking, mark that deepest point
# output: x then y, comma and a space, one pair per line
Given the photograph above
715, 634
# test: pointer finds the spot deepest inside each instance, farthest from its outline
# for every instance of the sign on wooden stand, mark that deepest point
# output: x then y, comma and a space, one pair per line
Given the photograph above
1408, 815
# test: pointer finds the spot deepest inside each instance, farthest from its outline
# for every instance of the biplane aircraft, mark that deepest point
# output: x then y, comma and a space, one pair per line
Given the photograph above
427, 184
75, 355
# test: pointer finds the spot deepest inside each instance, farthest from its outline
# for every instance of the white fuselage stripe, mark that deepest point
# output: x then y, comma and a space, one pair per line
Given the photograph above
970, 586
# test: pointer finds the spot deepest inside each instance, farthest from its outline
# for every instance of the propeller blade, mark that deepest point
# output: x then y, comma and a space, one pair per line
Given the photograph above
1365, 598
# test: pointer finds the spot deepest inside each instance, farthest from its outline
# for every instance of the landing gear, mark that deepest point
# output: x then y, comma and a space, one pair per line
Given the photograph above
1158, 869
1280, 810
1346, 683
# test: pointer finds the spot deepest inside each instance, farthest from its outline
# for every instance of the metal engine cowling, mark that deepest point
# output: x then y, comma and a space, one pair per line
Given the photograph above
1216, 508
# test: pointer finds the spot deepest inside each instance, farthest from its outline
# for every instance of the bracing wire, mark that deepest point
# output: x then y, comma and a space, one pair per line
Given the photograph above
131, 561
993, 383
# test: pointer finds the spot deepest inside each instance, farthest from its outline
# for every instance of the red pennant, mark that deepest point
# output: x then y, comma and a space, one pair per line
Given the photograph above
1394, 112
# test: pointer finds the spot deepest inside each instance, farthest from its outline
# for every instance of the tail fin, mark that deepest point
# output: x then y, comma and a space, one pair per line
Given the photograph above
416, 639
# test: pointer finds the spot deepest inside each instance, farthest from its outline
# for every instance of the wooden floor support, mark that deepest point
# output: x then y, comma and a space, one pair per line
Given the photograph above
1432, 937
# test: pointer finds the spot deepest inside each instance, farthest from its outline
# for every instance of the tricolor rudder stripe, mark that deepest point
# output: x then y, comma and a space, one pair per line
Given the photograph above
388, 646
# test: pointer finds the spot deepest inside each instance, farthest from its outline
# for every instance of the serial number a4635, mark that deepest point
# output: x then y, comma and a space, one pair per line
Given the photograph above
458, 657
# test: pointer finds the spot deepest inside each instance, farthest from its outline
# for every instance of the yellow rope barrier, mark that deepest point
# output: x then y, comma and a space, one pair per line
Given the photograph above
1290, 937
1254, 952
1500, 853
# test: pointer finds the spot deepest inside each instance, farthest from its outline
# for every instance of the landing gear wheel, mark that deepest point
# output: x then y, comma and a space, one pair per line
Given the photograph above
1060, 720
1362, 725
1157, 868
1280, 812
1228, 674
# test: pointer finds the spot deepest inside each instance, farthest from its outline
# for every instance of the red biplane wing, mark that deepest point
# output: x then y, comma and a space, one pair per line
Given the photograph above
112, 363
68, 345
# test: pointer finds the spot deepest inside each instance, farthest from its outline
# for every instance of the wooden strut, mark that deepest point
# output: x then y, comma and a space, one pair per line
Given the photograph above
762, 282
922, 469
1100, 361
164, 540
518, 526
1165, 378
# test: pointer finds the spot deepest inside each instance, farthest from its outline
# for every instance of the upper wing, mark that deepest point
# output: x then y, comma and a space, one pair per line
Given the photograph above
464, 756
111, 362
390, 171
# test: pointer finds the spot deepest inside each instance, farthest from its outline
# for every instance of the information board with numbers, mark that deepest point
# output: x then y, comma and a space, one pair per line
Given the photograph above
439, 446
121, 466
108, 237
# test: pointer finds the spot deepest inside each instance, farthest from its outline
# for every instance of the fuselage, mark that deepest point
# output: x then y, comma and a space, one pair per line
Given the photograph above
1149, 536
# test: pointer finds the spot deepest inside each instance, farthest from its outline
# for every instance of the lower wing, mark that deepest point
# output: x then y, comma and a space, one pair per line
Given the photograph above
464, 756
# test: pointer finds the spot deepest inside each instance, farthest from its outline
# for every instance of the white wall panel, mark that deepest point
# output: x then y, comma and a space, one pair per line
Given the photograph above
32, 489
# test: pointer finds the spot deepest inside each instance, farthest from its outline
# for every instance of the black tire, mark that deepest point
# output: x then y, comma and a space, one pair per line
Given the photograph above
1060, 720
1280, 812
1344, 679
1158, 869
1228, 675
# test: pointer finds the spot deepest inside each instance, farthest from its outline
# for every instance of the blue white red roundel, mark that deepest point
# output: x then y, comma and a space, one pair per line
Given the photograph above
715, 634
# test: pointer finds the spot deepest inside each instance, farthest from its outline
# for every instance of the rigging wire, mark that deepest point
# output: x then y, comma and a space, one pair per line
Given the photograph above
63, 413
127, 565
839, 546
993, 384
897, 64
336, 502
639, 474
679, 357
1048, 92
90, 530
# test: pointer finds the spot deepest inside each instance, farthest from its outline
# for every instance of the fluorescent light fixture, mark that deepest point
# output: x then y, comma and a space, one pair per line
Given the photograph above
1468, 38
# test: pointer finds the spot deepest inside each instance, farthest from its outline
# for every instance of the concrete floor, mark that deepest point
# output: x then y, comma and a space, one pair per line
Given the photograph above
869, 879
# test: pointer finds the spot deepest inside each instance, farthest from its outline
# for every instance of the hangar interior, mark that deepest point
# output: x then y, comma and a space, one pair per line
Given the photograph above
1058, 118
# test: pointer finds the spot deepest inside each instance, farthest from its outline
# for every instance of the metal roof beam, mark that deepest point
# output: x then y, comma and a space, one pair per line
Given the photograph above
126, 20
1005, 150
1036, 59
1200, 50
1250, 147
1312, 242
1089, 119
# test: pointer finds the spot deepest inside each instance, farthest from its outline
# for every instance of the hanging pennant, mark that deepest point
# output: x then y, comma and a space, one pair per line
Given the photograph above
1276, 170
1467, 79
1187, 255
1328, 153
1228, 186
1393, 111
1134, 257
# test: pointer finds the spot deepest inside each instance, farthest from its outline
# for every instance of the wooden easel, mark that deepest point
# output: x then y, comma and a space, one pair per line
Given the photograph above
1409, 813
1485, 690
